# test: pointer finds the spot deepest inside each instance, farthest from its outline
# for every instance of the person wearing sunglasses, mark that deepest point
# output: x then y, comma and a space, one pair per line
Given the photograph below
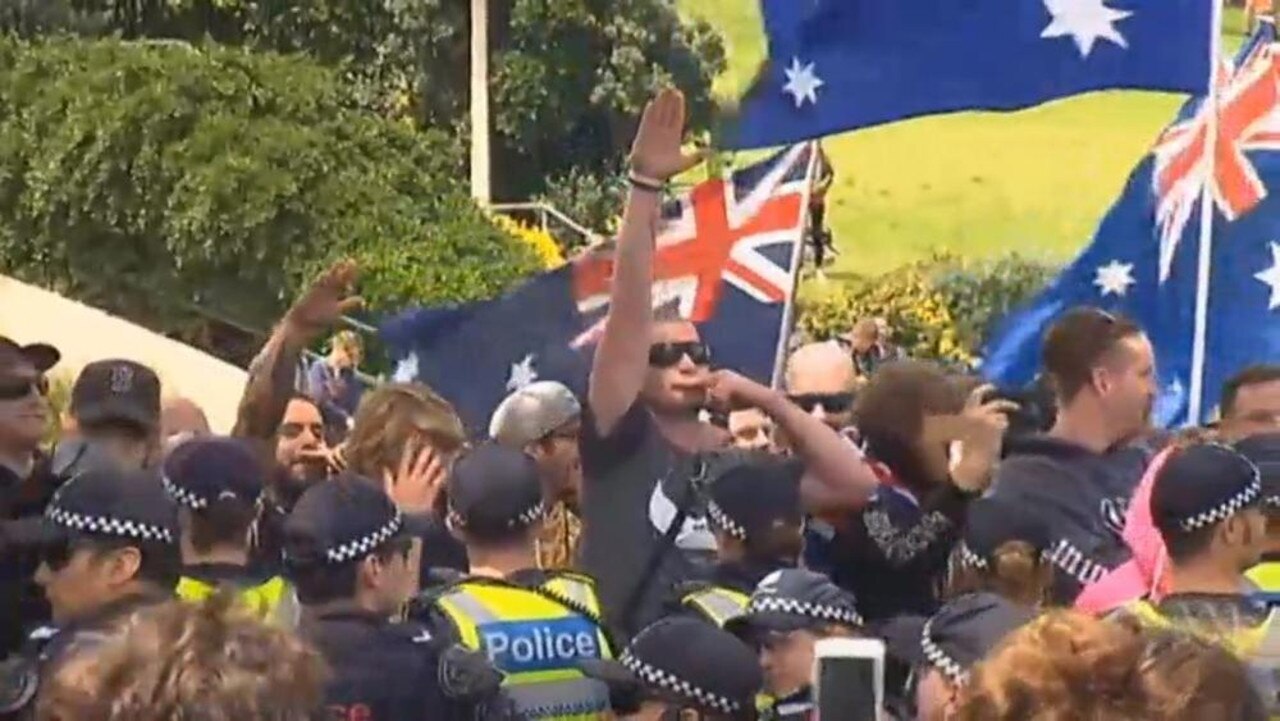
820, 378
108, 547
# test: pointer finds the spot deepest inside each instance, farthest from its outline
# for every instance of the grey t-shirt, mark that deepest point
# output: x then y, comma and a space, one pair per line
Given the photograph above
634, 482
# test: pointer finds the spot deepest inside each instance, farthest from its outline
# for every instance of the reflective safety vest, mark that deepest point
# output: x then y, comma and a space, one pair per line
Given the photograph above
1266, 576
536, 641
273, 600
717, 604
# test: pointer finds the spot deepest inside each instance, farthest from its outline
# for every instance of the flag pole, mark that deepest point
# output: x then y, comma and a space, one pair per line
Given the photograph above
1204, 262
797, 256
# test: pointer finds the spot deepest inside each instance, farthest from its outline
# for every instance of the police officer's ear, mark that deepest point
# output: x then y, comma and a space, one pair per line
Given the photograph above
120, 565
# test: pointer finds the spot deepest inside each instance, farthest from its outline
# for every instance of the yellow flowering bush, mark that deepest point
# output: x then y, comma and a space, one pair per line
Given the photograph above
543, 245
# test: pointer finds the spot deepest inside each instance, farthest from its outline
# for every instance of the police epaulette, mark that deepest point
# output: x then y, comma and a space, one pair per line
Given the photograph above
572, 576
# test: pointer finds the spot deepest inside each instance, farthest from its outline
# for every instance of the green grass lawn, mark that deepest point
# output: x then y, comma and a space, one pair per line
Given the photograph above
980, 184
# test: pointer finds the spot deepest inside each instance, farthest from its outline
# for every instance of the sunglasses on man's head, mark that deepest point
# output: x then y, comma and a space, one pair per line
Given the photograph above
667, 355
830, 402
13, 389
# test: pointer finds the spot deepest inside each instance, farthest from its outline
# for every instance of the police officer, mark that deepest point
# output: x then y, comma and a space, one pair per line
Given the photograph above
355, 564
534, 626
1264, 451
108, 545
754, 510
680, 668
940, 651
218, 484
789, 612
1206, 503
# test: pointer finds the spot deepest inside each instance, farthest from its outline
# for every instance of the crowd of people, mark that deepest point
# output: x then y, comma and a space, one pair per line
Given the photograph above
673, 545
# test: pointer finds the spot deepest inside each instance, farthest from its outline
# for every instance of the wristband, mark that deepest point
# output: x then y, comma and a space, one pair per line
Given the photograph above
644, 182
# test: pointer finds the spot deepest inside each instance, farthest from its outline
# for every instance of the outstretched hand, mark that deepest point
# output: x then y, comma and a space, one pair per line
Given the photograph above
324, 302
656, 151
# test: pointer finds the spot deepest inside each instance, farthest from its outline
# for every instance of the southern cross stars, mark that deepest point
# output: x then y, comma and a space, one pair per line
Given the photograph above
1114, 277
522, 374
802, 83
1271, 276
1086, 21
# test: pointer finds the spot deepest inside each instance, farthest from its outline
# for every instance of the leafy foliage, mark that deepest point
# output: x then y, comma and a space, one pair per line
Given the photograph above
143, 177
940, 308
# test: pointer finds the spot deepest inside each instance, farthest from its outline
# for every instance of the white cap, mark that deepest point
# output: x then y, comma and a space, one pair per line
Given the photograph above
533, 413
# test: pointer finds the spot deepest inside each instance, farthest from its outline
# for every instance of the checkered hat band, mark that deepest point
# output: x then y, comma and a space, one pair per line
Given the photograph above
107, 525
1226, 509
804, 609
721, 520
970, 559
526, 518
366, 544
183, 496
654, 677
939, 659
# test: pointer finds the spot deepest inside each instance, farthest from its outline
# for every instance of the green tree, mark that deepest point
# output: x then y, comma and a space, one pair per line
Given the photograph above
143, 177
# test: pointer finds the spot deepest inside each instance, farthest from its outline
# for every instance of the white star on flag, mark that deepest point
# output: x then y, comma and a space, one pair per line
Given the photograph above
1114, 278
802, 83
407, 369
1271, 276
1086, 21
522, 374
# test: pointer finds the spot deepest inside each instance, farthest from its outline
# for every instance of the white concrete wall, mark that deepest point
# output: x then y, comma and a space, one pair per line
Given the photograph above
84, 334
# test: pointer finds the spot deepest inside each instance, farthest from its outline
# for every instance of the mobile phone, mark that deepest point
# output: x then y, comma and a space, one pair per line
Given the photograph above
848, 679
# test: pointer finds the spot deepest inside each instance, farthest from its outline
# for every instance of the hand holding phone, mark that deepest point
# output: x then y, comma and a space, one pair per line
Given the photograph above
848, 679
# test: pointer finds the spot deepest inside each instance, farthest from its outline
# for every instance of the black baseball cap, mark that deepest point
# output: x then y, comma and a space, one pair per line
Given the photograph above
795, 599
40, 355
117, 391
494, 490
342, 520
687, 661
204, 470
959, 635
1264, 451
103, 502
751, 498
991, 523
1202, 485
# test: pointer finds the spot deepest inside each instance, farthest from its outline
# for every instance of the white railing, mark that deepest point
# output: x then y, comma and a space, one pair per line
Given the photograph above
545, 214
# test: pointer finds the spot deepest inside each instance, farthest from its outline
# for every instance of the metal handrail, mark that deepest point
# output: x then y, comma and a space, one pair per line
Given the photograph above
545, 210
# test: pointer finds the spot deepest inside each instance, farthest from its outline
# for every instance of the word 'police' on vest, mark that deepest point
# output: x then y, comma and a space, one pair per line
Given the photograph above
521, 646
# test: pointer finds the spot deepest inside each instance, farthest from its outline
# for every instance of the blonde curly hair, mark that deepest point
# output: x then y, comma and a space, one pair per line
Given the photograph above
396, 416
211, 661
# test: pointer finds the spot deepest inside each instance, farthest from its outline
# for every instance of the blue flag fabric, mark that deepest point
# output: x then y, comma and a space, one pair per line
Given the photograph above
1143, 260
726, 255
837, 65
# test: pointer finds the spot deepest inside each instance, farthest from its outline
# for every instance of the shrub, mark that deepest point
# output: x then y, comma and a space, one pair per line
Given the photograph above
541, 243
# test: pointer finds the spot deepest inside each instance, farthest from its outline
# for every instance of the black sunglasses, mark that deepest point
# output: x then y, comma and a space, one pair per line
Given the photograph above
666, 355
13, 389
830, 402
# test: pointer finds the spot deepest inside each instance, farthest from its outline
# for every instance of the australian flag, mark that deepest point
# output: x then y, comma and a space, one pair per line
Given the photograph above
727, 256
837, 65
1143, 260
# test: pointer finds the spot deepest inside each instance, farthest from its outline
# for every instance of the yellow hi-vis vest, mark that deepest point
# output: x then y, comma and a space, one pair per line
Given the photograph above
273, 600
1266, 576
717, 604
536, 642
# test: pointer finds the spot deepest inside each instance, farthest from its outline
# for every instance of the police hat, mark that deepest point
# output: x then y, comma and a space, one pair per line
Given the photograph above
204, 470
793, 599
104, 502
688, 661
1203, 485
959, 635
992, 522
756, 496
494, 490
340, 521
1264, 451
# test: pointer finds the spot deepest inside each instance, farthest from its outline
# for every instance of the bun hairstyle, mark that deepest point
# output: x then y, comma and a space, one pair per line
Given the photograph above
1016, 571
1067, 666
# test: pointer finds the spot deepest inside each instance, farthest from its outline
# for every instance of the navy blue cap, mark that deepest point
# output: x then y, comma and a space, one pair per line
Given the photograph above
115, 391
1264, 451
753, 497
992, 522
494, 490
687, 660
793, 599
342, 520
1203, 485
959, 635
204, 470
106, 502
